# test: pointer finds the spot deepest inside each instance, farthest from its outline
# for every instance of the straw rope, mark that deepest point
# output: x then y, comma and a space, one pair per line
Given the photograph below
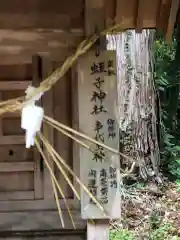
17, 104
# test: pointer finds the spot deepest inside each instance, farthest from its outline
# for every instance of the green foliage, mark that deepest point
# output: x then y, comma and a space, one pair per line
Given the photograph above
167, 82
174, 164
174, 168
178, 186
154, 221
139, 185
161, 233
121, 234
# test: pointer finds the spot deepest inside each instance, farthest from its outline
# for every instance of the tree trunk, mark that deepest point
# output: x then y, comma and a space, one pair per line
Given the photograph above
136, 111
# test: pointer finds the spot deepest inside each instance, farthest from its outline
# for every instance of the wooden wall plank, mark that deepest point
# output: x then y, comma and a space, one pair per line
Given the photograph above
18, 46
75, 124
1, 127
43, 14
11, 115
34, 220
35, 205
40, 38
12, 126
43, 6
40, 20
19, 181
63, 113
10, 140
16, 71
16, 195
17, 167
15, 153
38, 175
48, 131
14, 85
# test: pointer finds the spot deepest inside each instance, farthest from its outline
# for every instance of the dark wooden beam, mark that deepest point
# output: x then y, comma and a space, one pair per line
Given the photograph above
110, 12
172, 20
39, 20
139, 18
94, 16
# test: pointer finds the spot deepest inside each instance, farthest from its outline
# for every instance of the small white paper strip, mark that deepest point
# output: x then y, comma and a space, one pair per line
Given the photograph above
31, 118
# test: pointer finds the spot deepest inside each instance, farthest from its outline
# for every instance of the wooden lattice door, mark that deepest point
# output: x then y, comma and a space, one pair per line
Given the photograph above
26, 193
20, 172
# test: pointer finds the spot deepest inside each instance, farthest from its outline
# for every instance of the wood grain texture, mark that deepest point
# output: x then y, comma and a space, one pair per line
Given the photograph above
94, 117
41, 13
38, 174
94, 16
43, 6
14, 153
19, 14
16, 195
19, 181
37, 205
98, 230
14, 85
18, 46
63, 114
17, 167
139, 19
172, 19
75, 123
48, 131
12, 139
38, 220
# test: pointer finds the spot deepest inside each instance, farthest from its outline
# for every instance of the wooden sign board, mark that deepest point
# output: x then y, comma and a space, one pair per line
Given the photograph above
97, 99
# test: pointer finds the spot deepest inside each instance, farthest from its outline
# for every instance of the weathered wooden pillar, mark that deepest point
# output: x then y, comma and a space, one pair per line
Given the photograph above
137, 99
97, 91
99, 170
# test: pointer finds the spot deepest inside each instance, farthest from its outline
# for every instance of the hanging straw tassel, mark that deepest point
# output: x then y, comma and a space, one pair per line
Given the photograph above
45, 141
70, 136
62, 171
54, 188
51, 120
57, 202
125, 172
55, 180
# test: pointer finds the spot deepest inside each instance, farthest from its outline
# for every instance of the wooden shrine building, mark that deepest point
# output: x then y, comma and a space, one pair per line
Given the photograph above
36, 36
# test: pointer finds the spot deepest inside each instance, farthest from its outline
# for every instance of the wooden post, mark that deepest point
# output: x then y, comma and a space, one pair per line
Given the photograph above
98, 230
99, 171
48, 130
1, 124
95, 19
94, 16
171, 20
38, 190
75, 123
139, 20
